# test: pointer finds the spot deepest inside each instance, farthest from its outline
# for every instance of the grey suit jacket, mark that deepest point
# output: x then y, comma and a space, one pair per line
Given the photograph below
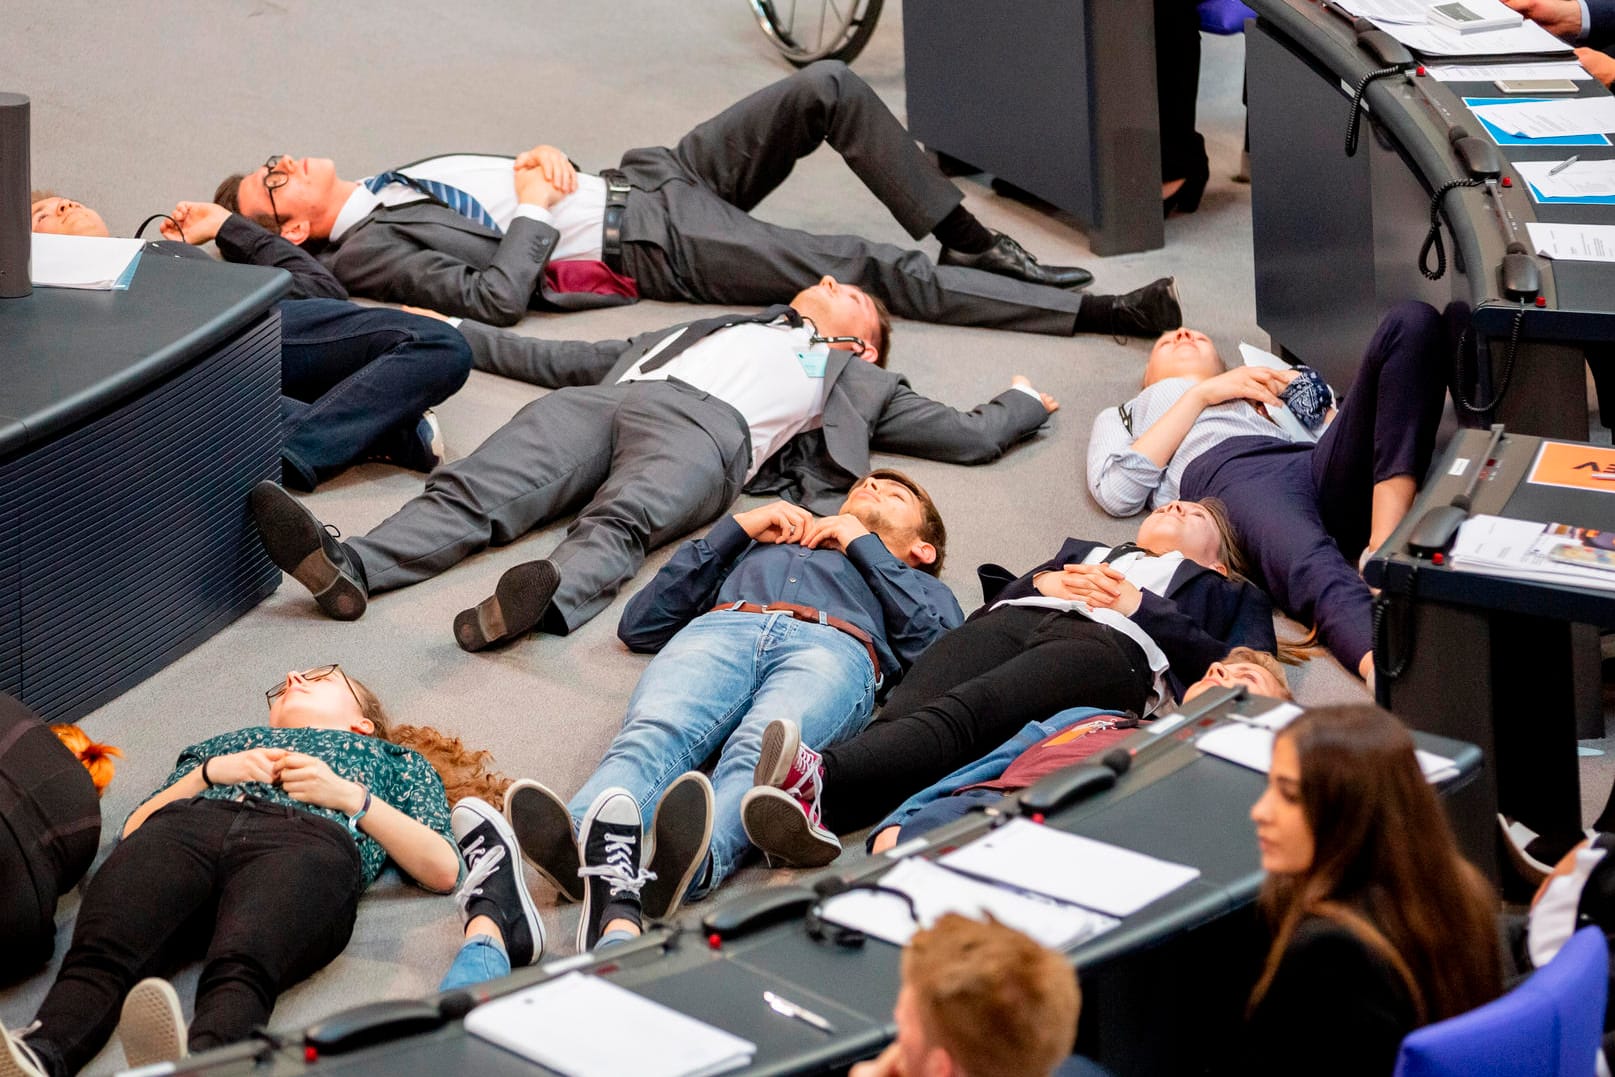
865, 408
427, 255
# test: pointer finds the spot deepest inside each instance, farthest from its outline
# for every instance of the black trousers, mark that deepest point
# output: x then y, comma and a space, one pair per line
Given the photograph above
971, 691
50, 827
689, 235
265, 894
1177, 85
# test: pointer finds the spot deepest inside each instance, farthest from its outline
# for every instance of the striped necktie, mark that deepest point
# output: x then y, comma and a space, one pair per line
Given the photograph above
456, 199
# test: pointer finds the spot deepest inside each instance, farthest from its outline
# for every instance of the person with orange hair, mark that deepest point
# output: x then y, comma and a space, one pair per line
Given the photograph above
51, 830
978, 1000
254, 853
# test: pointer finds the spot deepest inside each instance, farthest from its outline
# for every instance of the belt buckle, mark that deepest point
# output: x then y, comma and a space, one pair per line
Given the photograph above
614, 186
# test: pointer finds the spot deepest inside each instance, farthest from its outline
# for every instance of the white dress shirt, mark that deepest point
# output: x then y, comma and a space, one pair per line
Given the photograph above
1146, 571
579, 217
762, 371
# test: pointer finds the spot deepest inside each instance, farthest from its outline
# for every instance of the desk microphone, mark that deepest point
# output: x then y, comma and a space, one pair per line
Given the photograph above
1070, 784
1438, 527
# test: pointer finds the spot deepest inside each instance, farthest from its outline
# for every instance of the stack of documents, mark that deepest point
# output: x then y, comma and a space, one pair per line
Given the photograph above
584, 1026
1409, 22
1564, 118
1527, 550
1059, 888
1573, 242
1571, 181
83, 262
1552, 69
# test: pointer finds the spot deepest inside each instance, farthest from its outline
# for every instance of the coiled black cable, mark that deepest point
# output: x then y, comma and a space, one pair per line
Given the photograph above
1357, 105
1460, 393
1432, 238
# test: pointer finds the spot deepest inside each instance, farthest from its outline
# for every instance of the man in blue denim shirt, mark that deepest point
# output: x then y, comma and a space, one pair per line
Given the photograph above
774, 613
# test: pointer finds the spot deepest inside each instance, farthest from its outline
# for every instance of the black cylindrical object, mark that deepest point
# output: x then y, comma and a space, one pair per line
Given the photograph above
14, 205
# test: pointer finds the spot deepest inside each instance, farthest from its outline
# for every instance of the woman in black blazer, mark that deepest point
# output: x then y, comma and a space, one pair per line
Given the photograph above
1379, 924
1122, 628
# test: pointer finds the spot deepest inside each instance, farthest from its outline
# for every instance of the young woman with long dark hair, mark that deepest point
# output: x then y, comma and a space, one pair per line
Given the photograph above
1379, 923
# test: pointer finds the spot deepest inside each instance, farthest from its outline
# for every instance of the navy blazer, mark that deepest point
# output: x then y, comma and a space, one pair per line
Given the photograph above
1600, 33
1203, 616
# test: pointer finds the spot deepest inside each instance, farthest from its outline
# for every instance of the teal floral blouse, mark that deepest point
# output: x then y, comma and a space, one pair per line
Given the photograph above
398, 775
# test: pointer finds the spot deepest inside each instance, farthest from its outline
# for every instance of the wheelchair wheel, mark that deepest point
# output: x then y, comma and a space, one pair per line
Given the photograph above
807, 30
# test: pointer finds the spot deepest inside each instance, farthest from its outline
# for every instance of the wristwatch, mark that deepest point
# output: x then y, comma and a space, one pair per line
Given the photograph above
353, 820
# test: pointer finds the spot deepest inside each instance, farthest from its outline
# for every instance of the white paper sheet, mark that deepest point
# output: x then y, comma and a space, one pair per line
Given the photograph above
81, 261
1528, 39
1573, 242
1492, 72
1251, 746
1070, 868
584, 1026
1551, 119
1405, 12
936, 891
1580, 179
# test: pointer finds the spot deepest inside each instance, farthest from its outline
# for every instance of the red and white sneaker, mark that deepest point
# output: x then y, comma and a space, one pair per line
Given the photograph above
781, 812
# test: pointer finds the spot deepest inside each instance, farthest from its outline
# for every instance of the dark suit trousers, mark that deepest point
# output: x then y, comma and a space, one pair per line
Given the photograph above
1303, 513
1177, 85
350, 375
969, 692
641, 464
50, 825
689, 235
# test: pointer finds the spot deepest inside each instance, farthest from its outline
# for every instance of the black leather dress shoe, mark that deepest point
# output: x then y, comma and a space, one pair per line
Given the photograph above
515, 608
304, 549
1008, 258
1148, 311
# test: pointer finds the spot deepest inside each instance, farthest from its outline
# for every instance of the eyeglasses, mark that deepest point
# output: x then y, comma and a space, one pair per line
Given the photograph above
318, 673
273, 181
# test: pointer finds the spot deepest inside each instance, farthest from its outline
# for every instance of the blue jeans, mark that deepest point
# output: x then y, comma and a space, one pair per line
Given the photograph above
716, 685
349, 374
479, 960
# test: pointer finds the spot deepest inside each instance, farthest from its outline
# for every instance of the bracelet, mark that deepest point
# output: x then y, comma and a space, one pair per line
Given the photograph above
353, 820
205, 779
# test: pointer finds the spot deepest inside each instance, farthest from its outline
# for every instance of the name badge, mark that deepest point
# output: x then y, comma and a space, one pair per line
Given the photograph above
814, 360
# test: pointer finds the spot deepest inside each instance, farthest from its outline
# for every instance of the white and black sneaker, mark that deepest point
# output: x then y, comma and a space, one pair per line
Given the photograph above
17, 1059
151, 1028
681, 835
493, 885
611, 845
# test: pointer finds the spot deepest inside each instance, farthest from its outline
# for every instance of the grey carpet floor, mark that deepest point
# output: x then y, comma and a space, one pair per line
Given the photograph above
136, 106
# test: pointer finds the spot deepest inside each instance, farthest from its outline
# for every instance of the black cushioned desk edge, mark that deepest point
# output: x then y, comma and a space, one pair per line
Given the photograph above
132, 347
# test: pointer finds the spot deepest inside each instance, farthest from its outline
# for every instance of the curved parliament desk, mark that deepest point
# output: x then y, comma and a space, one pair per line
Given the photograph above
132, 425
1337, 238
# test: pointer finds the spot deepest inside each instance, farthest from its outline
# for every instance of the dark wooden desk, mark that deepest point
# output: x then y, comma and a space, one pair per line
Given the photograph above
1337, 238
132, 425
1057, 97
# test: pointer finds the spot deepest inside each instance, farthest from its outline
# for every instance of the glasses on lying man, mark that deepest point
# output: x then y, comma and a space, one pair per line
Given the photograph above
274, 181
318, 673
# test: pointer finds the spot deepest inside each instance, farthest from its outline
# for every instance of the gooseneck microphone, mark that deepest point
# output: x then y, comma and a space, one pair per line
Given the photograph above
15, 239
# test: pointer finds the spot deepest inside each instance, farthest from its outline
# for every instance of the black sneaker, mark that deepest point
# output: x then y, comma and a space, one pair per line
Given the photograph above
611, 846
416, 445
306, 550
681, 834
518, 603
493, 885
543, 829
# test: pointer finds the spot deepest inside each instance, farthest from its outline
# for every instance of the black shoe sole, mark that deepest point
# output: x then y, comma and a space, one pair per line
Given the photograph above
682, 830
295, 541
515, 608
543, 829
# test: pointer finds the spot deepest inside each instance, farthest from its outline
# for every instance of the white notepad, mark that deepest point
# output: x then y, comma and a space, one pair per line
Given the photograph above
584, 1026
1070, 868
937, 891
90, 262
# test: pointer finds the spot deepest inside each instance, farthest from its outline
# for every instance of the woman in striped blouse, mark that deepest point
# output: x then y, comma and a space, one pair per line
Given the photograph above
1303, 512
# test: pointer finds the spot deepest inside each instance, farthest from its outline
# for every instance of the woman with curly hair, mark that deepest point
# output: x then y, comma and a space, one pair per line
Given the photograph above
253, 854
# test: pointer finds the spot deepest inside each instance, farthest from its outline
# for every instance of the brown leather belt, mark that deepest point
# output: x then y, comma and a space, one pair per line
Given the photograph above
812, 616
617, 188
